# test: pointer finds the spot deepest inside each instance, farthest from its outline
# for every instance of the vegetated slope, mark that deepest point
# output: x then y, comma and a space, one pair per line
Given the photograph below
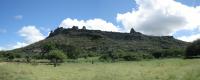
96, 41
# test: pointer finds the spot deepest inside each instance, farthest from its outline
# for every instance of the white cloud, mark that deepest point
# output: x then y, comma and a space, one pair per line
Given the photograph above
190, 38
95, 24
13, 46
19, 45
31, 34
18, 17
160, 17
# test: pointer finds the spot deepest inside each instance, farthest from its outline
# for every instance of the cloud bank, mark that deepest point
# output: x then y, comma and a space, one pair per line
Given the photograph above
160, 17
151, 17
31, 34
94, 24
190, 38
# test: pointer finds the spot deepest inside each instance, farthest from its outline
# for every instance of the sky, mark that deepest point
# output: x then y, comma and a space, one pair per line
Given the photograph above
23, 22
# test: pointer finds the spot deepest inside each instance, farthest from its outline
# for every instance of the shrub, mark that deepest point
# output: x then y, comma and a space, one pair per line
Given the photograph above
168, 53
73, 52
112, 55
146, 55
105, 57
46, 48
28, 58
157, 54
10, 56
56, 56
173, 53
133, 56
2, 53
193, 50
123, 55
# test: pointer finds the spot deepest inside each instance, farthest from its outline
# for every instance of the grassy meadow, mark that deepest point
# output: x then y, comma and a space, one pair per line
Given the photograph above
165, 69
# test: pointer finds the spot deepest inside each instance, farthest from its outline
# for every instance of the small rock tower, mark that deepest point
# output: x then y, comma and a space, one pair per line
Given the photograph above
75, 28
132, 31
84, 28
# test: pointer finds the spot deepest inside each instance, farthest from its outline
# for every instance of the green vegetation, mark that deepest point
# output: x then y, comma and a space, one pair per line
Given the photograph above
79, 43
165, 69
109, 46
168, 53
56, 56
85, 55
121, 55
193, 50
117, 55
72, 52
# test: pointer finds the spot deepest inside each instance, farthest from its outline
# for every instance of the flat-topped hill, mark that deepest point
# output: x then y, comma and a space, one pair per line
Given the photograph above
96, 42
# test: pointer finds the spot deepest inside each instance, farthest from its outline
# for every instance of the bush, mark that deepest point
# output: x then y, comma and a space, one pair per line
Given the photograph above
1, 54
28, 58
46, 48
173, 53
133, 56
136, 56
105, 57
146, 55
112, 55
73, 52
193, 50
119, 55
168, 53
157, 54
10, 56
56, 56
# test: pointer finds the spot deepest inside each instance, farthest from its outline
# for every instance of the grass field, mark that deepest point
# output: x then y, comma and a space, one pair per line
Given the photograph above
166, 69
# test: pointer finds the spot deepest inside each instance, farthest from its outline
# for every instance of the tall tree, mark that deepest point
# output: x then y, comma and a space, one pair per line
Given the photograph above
56, 56
46, 48
193, 50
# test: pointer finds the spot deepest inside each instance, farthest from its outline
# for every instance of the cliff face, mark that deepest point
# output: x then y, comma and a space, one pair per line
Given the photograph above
97, 41
133, 35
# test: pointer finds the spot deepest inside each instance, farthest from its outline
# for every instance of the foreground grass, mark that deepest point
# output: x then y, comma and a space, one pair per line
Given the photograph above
166, 69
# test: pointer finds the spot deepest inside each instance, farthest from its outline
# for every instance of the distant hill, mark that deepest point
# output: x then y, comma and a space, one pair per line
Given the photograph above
96, 41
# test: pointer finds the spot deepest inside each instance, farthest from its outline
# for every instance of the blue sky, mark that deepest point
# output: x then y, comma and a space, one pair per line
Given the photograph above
46, 15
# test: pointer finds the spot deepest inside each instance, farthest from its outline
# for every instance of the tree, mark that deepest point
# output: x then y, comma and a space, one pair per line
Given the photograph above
193, 50
56, 56
46, 48
168, 53
133, 56
73, 52
28, 58
10, 56
157, 54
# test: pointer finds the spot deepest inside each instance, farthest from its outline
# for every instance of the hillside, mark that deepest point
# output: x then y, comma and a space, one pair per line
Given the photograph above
96, 42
